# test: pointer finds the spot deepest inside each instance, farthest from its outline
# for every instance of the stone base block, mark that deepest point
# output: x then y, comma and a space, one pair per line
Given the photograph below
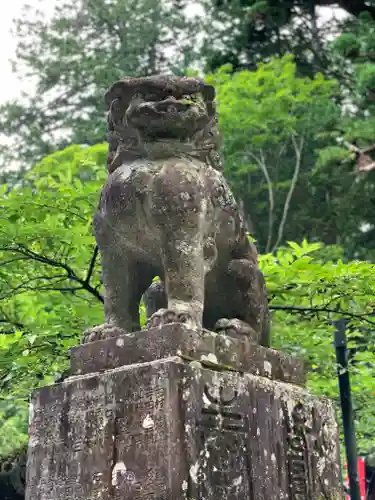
222, 351
174, 430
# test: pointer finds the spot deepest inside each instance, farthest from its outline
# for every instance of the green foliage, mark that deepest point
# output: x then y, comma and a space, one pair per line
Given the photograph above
48, 296
286, 157
353, 53
274, 124
14, 423
329, 202
356, 48
50, 292
245, 32
279, 102
348, 44
298, 279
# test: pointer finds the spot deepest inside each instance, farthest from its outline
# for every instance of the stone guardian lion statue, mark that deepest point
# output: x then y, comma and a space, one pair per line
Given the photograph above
166, 210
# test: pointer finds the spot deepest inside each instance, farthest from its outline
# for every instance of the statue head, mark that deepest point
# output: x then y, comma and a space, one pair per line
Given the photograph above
157, 116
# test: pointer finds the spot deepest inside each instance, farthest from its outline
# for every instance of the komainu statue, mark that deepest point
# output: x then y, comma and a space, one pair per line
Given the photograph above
166, 210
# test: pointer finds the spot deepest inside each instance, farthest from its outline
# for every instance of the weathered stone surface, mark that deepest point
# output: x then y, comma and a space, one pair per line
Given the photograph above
171, 430
175, 339
166, 210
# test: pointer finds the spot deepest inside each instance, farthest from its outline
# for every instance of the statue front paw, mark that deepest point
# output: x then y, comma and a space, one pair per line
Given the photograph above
167, 316
101, 332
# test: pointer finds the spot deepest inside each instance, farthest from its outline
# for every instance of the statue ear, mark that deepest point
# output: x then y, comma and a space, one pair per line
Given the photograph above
116, 111
114, 92
121, 90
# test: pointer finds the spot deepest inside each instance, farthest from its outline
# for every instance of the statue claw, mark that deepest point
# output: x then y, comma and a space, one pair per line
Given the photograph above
168, 316
101, 332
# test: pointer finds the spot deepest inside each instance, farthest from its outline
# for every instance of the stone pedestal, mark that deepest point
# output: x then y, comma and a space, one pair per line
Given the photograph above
172, 415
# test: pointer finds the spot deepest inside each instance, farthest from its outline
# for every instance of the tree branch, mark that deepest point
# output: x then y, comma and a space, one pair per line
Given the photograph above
24, 286
92, 264
55, 207
262, 163
70, 274
5, 320
14, 324
313, 310
298, 150
365, 55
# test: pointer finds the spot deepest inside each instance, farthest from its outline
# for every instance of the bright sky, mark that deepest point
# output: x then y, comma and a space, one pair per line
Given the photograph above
9, 84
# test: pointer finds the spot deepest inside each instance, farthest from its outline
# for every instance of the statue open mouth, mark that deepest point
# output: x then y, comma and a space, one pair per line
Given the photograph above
168, 117
168, 105
156, 110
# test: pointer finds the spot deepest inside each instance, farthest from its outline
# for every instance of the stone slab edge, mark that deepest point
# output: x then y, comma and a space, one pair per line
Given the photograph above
216, 351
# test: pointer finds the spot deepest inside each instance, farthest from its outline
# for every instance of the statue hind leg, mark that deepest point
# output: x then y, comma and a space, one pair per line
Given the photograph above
249, 299
155, 298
